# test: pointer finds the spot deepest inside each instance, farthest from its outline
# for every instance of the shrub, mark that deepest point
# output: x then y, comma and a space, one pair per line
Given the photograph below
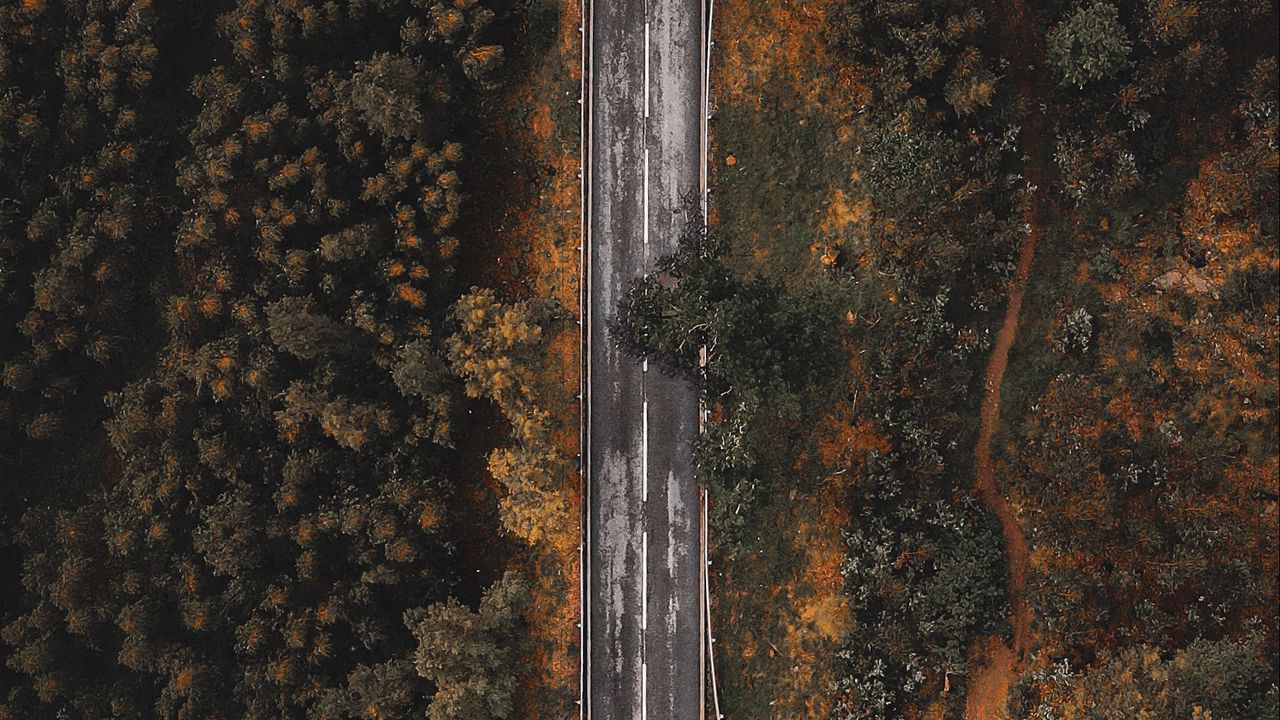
1090, 45
1222, 680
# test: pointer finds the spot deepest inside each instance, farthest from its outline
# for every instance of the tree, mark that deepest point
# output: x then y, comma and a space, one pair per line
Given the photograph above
924, 578
758, 333
972, 85
467, 655
295, 329
480, 62
385, 91
279, 490
1207, 680
495, 349
1090, 45
387, 690
422, 372
1076, 332
355, 243
494, 345
910, 171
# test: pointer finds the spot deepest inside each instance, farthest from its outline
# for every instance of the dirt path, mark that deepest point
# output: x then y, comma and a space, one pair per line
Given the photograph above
990, 688
991, 682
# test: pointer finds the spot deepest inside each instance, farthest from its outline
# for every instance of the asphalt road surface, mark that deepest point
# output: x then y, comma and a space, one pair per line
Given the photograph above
643, 634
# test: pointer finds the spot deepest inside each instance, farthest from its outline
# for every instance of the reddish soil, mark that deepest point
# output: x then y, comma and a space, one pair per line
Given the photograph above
990, 688
991, 683
987, 694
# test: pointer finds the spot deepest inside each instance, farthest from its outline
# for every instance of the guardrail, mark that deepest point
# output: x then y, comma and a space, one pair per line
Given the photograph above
585, 21
708, 16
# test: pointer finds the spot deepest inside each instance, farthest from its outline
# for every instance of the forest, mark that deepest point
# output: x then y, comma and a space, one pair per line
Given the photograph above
994, 380
242, 354
991, 300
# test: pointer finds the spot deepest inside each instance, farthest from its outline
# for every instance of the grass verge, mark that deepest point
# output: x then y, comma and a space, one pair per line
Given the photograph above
524, 245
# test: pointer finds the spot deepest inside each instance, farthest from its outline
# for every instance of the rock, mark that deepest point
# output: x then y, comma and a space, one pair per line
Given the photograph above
1187, 281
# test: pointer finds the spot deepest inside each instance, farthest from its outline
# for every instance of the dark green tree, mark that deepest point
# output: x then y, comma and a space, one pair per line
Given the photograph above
1090, 45
299, 331
467, 655
1207, 680
386, 91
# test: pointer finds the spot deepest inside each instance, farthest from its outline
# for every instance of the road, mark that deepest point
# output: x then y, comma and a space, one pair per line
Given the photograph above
644, 617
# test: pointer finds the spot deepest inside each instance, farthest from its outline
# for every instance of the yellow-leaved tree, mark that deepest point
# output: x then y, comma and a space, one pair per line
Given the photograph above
495, 349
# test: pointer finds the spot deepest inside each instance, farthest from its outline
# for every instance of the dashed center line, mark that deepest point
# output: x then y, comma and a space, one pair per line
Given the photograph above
646, 203
644, 449
644, 417
646, 70
644, 582
644, 690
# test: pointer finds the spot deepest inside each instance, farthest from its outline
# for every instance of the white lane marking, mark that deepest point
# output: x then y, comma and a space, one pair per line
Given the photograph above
646, 70
644, 420
644, 449
644, 624
644, 580
646, 197
644, 691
